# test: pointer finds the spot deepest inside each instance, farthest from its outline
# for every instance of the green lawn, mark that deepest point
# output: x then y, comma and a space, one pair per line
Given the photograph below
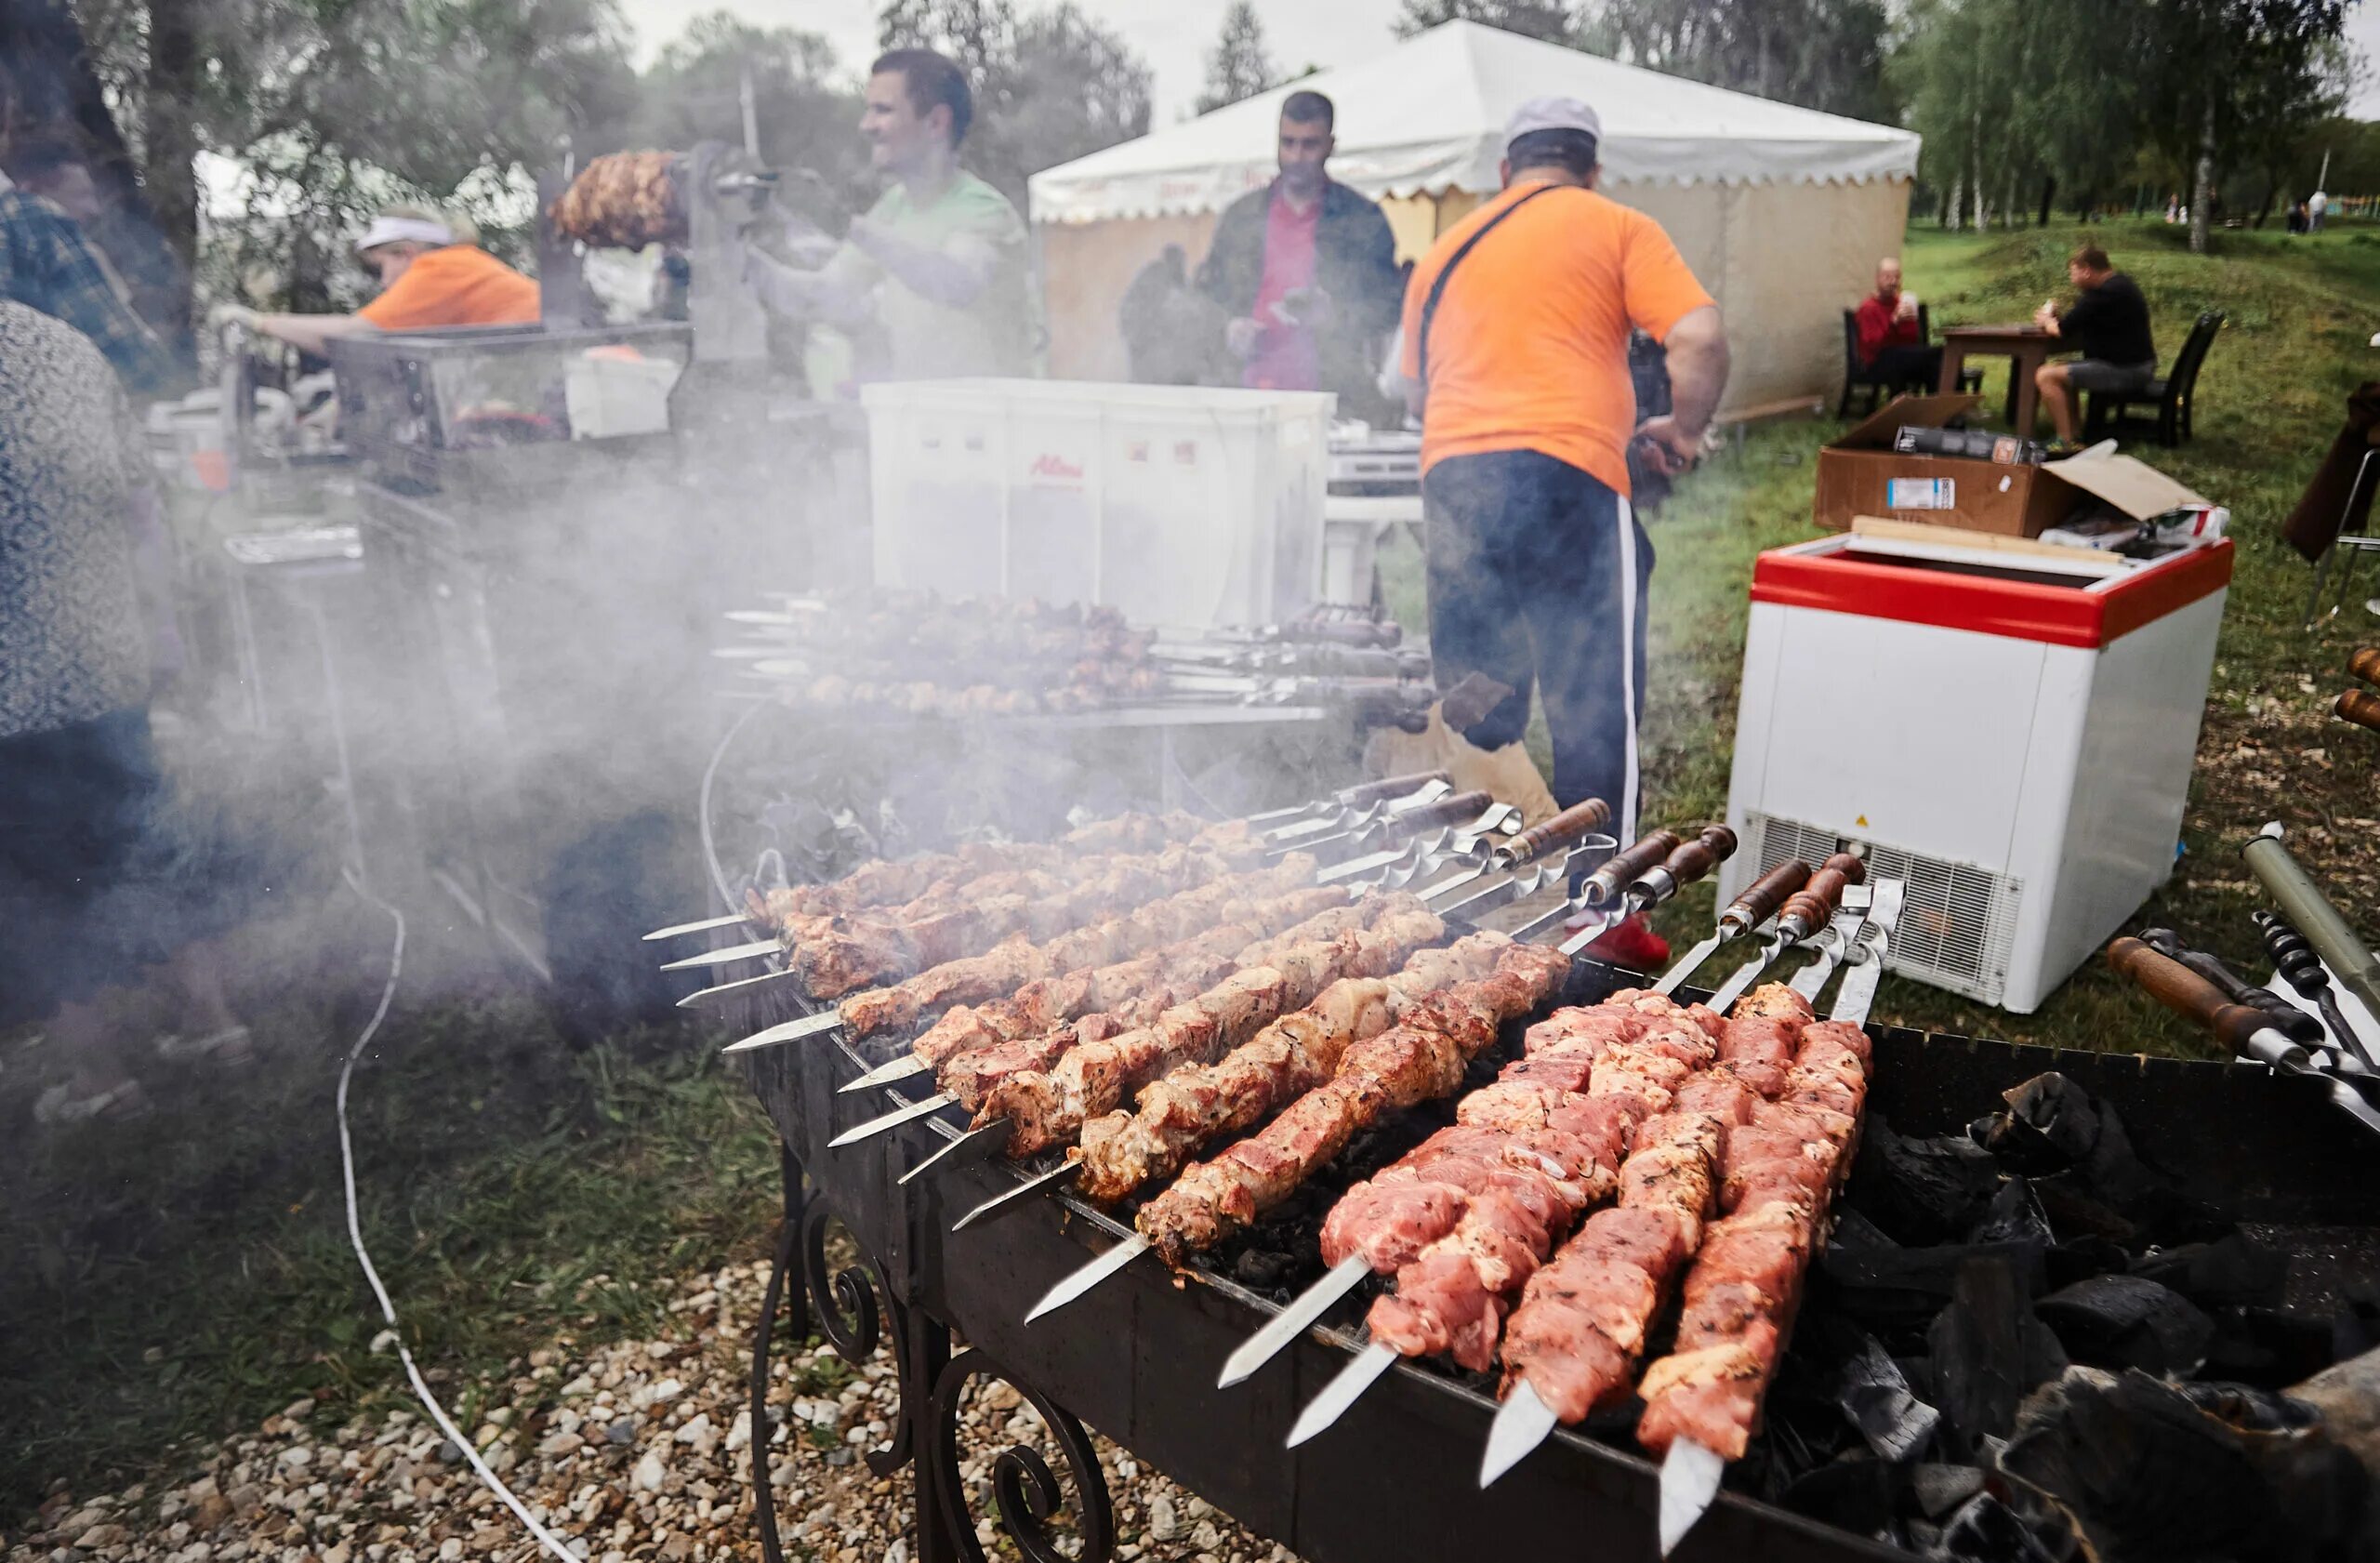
187, 1281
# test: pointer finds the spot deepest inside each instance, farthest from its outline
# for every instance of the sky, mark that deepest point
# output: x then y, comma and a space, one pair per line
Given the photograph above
1175, 36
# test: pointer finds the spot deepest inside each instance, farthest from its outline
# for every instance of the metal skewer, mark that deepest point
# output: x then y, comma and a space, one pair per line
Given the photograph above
1090, 1276
892, 1119
1691, 1472
706, 925
965, 1144
736, 988
1562, 831
727, 955
1358, 1375
1388, 787
1636, 881
1016, 1199
2304, 970
1293, 1320
1841, 934
2311, 912
786, 1032
1756, 906
1805, 912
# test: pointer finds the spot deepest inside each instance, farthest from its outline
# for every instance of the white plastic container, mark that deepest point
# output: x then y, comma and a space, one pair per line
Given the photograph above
608, 395
1179, 505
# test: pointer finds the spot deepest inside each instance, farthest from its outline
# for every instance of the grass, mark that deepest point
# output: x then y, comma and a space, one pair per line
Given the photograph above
183, 1282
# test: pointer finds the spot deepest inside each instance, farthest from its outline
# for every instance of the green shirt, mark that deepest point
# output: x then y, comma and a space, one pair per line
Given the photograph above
969, 221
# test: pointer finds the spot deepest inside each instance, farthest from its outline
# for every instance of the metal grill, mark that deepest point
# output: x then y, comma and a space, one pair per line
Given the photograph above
1957, 923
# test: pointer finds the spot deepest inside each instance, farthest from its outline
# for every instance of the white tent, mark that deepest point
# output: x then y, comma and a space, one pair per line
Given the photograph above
1782, 211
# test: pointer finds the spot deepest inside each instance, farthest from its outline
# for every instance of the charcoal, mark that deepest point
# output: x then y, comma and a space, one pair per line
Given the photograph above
2054, 1127
1876, 1397
1940, 1489
2080, 1258
1922, 1191
2128, 1321
1860, 1496
1857, 1233
1989, 1531
2266, 1348
2014, 1216
1988, 1351
2146, 1475
1896, 1293
2357, 1328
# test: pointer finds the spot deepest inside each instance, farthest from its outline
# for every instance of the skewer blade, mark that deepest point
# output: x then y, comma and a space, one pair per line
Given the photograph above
727, 956
789, 1031
1293, 1320
2350, 1101
1342, 1392
885, 1074
1091, 1275
1588, 934
1745, 976
1018, 1198
1857, 994
892, 1119
1676, 976
1451, 886
707, 925
1356, 868
1522, 1422
731, 989
972, 1141
1689, 1486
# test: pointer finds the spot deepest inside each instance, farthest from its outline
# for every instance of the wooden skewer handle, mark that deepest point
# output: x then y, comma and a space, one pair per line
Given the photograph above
1809, 908
1390, 786
2187, 994
1460, 809
1560, 832
2359, 708
1627, 866
1698, 856
2365, 665
1763, 896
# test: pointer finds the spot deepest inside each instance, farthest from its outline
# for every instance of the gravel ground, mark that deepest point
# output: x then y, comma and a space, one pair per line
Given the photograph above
639, 1450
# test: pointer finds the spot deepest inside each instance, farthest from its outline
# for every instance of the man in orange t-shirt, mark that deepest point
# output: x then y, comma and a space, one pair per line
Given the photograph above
1515, 354
432, 272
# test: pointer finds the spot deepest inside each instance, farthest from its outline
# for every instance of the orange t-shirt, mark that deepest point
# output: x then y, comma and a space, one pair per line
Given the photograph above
1528, 350
460, 285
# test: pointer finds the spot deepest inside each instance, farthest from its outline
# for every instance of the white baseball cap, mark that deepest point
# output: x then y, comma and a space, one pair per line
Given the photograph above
396, 230
1552, 113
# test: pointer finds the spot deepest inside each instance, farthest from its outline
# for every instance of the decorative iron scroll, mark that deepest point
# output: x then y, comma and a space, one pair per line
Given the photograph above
852, 1320
1026, 1491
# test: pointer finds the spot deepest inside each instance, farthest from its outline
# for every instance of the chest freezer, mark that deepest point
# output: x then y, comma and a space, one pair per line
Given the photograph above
2012, 735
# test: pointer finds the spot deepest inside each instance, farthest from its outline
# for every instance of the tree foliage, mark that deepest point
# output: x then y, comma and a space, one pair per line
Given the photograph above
1239, 65
1548, 19
1051, 87
1820, 54
806, 105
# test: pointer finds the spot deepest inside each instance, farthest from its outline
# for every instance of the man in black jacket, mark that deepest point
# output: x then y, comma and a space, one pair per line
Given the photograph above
2108, 323
1306, 271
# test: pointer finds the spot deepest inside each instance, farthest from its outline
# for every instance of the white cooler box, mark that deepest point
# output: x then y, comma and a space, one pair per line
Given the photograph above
1375, 485
1183, 506
2014, 736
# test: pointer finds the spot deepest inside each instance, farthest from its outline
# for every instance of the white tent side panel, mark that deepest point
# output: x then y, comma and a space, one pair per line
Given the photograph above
1783, 260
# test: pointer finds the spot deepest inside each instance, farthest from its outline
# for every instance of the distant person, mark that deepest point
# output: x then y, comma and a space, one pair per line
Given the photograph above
432, 272
1892, 345
1306, 271
84, 904
2318, 206
2296, 220
2108, 323
937, 267
1169, 330
1516, 356
48, 263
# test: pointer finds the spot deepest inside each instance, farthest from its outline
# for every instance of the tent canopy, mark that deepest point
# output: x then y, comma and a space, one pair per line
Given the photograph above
1429, 116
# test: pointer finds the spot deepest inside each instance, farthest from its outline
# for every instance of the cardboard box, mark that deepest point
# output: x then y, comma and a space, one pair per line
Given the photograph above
1861, 474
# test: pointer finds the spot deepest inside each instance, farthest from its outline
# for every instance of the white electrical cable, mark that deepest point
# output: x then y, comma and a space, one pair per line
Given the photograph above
727, 897
546, 1538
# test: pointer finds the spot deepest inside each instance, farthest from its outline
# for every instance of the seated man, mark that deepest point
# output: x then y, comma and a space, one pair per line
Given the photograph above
432, 272
2108, 323
1891, 348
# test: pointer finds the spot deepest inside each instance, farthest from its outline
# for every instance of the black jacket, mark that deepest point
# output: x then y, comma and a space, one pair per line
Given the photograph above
1355, 262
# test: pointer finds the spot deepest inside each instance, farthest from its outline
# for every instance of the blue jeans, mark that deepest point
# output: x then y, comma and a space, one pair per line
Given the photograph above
1538, 574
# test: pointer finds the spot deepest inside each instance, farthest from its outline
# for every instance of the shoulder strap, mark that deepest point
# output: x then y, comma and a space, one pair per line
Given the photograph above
1438, 285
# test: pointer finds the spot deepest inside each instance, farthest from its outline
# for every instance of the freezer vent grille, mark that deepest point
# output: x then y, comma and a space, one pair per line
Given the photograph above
1958, 922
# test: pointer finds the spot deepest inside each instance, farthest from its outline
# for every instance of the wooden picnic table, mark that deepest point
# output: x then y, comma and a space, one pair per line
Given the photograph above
2026, 347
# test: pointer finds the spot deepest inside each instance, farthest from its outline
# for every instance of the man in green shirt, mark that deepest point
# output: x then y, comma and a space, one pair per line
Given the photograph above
938, 265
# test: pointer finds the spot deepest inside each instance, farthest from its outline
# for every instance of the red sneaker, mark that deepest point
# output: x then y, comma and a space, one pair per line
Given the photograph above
1631, 946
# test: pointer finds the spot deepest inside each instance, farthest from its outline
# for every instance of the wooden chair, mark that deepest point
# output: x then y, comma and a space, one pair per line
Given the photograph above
1857, 377
2103, 412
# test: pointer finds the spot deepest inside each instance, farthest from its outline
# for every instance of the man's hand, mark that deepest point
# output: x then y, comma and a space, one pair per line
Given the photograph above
1672, 448
1907, 307
240, 315
2046, 316
1309, 307
1240, 335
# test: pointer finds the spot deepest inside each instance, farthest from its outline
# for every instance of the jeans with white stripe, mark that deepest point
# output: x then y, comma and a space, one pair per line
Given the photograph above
1537, 574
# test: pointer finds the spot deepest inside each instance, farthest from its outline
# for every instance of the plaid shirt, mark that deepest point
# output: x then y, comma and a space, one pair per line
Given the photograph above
47, 264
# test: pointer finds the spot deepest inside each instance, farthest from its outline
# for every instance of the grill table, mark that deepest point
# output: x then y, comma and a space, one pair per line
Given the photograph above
1138, 1357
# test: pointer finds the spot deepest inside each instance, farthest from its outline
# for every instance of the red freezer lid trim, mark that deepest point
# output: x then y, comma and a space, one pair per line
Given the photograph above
2019, 609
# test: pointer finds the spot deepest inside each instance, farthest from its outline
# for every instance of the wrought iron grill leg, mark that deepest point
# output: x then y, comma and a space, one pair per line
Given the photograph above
1026, 1490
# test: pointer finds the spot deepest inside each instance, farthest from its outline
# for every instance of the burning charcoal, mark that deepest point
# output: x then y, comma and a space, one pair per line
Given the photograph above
2233, 1272
1940, 1489
2128, 1321
2147, 1474
2014, 1216
1989, 1350
1897, 1293
1873, 1393
1922, 1191
1989, 1531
